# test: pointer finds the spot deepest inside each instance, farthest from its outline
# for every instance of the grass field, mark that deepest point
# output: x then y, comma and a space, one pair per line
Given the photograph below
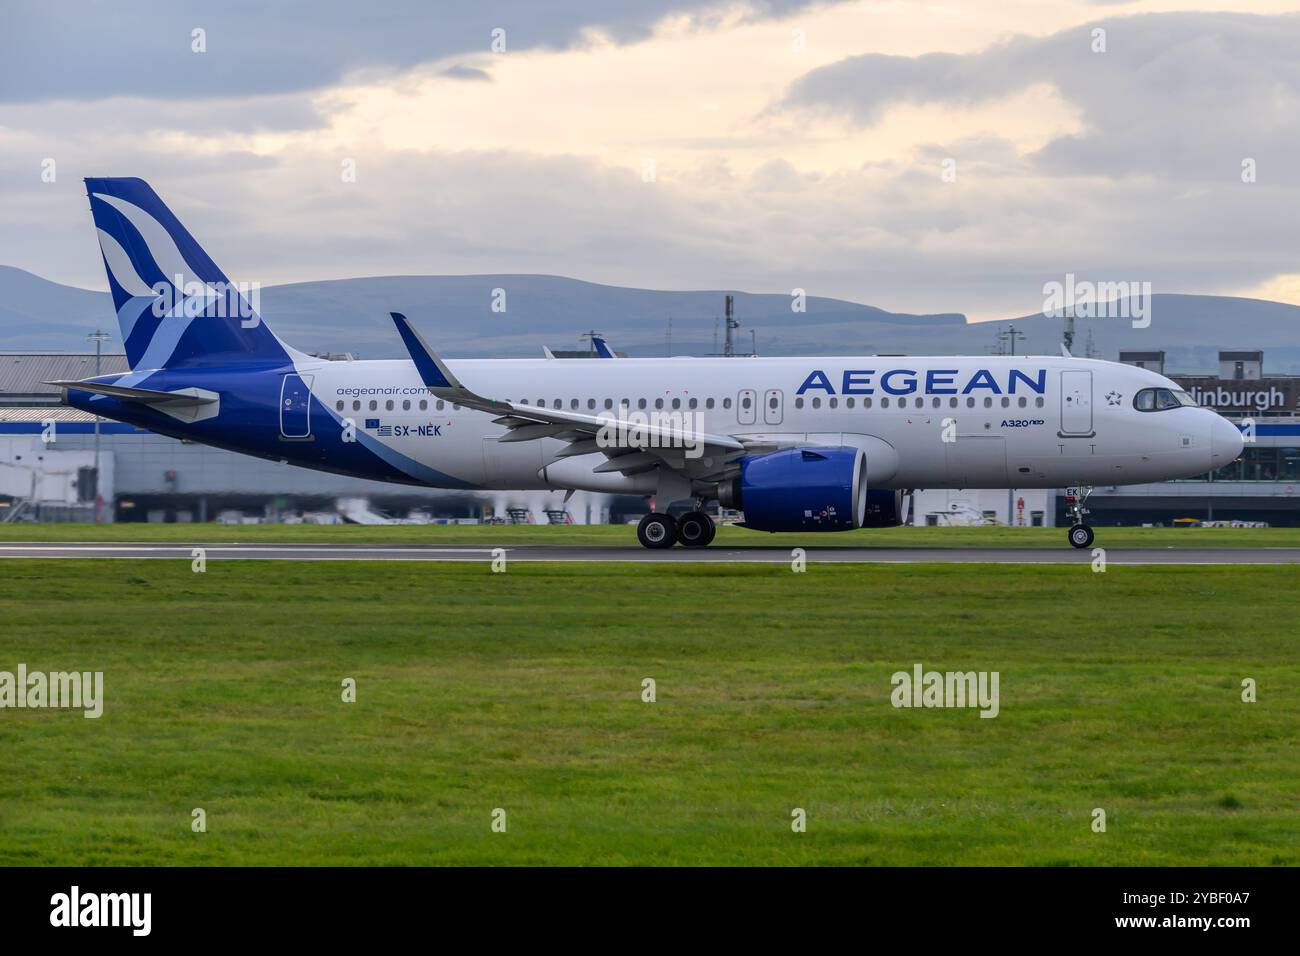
616, 535
522, 691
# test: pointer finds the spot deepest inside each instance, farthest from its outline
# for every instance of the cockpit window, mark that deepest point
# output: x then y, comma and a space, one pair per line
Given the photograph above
1159, 399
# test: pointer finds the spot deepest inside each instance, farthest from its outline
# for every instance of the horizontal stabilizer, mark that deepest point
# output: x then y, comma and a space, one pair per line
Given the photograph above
186, 404
188, 396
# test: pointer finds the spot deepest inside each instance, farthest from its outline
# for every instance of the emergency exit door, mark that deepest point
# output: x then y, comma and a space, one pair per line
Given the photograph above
1076, 404
746, 412
773, 400
295, 406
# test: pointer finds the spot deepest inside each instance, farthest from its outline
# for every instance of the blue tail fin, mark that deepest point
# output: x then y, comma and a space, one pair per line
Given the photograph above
174, 306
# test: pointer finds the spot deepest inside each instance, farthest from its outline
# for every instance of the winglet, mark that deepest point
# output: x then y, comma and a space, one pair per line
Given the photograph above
1065, 351
602, 349
432, 371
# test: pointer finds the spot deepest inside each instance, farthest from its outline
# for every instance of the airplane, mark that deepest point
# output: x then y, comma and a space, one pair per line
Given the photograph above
809, 444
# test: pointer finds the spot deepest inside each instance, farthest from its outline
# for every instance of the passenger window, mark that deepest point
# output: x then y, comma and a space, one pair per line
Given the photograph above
441, 404
848, 403
746, 402
677, 403
988, 402
609, 403
406, 405
726, 403
338, 406
695, 402
866, 403
798, 402
884, 403
356, 406
373, 405
424, 404
708, 403
817, 403
1006, 402
659, 403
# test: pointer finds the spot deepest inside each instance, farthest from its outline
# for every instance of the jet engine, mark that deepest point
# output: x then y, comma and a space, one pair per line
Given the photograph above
808, 489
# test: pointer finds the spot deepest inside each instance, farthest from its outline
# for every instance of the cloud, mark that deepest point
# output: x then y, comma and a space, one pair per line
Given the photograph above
462, 72
89, 49
1179, 95
1140, 181
893, 236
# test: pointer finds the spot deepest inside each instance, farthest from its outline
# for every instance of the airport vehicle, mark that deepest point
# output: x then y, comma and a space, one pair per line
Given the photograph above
797, 444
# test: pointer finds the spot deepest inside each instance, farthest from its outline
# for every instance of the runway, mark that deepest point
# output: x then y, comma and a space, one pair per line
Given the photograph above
636, 555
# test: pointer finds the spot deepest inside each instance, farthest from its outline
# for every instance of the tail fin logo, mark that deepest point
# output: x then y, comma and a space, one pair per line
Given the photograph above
181, 291
162, 282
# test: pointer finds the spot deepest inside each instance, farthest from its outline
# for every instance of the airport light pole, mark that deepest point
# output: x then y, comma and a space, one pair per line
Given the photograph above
99, 337
1010, 336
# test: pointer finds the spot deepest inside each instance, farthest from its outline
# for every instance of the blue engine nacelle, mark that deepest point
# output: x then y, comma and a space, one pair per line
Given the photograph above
806, 489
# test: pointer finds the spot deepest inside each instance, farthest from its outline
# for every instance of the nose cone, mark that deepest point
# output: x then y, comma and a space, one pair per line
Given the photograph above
1225, 441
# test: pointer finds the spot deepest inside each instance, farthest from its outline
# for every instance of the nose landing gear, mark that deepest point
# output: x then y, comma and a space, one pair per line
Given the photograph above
1080, 533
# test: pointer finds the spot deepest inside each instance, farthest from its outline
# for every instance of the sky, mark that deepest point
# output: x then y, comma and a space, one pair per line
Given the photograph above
916, 156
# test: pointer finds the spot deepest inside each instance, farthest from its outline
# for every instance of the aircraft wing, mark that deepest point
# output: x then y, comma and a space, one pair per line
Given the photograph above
631, 449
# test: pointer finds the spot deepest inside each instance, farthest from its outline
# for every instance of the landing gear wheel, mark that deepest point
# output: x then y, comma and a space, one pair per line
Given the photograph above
657, 531
695, 529
1076, 496
1081, 536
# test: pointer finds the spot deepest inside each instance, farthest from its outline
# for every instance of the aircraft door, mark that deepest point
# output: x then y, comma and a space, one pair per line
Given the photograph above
295, 406
773, 402
1076, 404
746, 410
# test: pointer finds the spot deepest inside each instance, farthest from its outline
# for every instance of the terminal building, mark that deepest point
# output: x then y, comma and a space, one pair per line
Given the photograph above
60, 464
1261, 485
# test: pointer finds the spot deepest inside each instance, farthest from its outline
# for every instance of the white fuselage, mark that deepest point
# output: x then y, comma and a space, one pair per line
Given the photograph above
924, 421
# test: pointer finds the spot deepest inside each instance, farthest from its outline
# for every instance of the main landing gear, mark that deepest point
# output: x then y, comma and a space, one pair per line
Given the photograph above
694, 529
1080, 534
